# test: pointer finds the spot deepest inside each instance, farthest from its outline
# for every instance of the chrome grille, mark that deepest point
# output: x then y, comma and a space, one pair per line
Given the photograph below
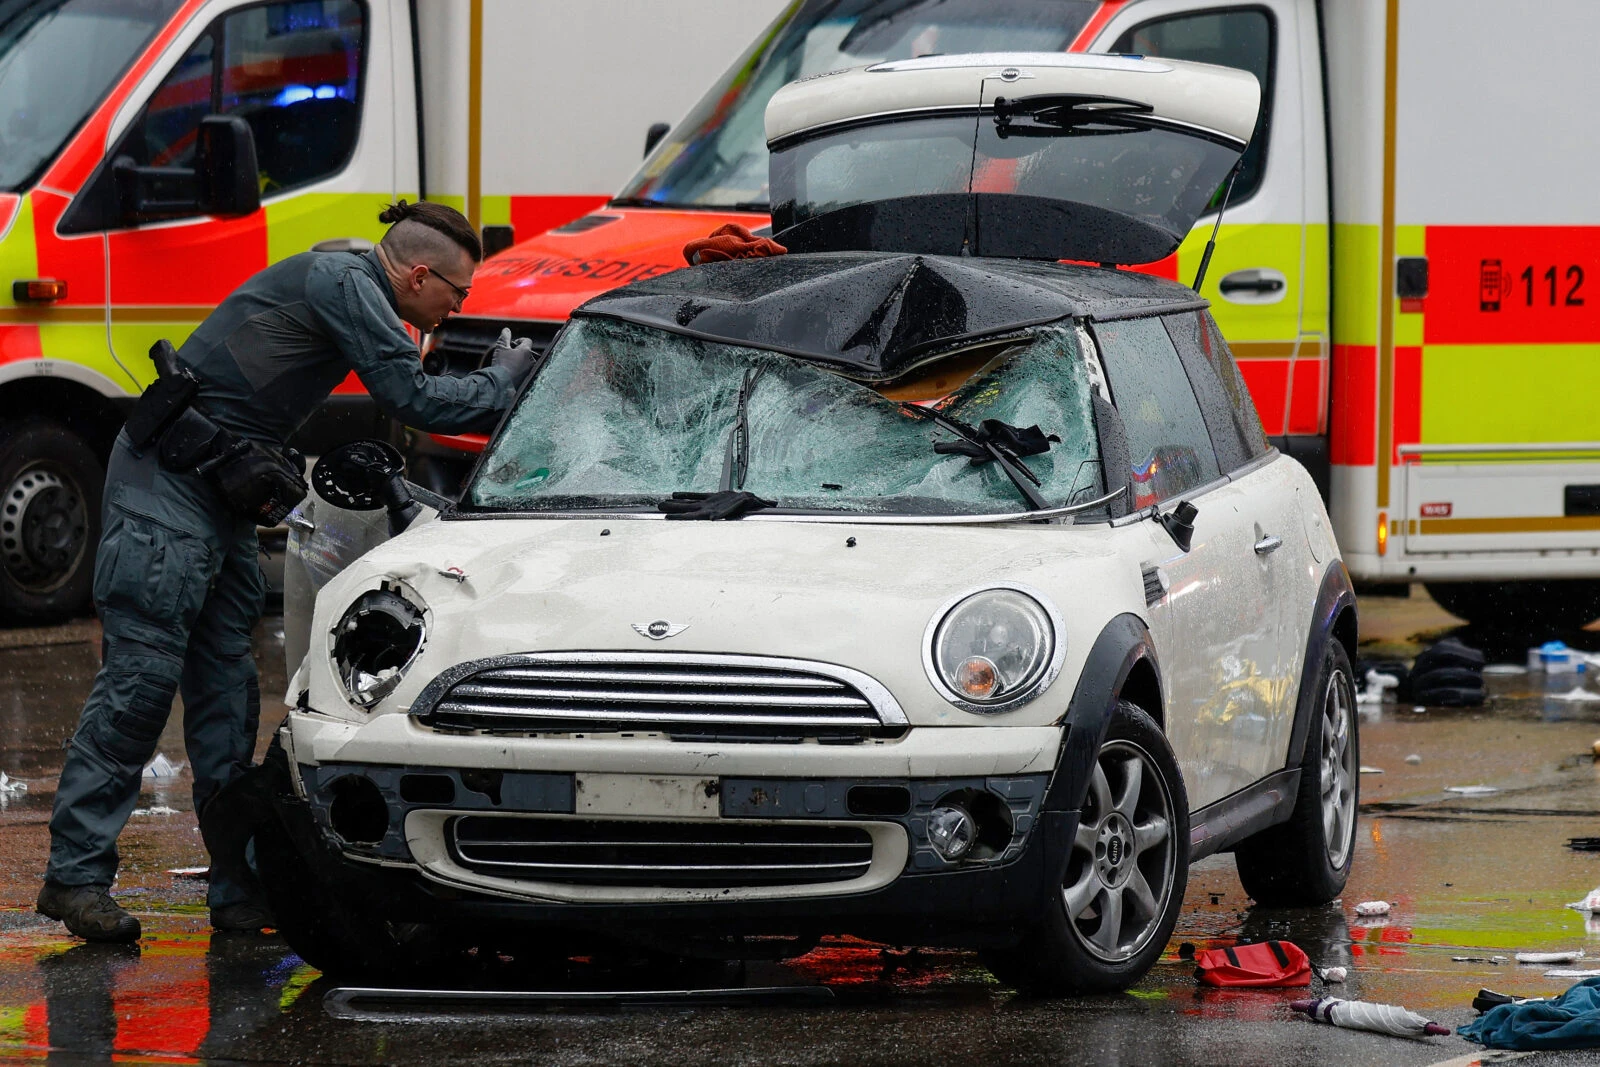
659, 854
684, 696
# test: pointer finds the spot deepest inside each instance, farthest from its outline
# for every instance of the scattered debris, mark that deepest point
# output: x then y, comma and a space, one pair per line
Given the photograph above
1371, 770
459, 576
1263, 965
1333, 975
199, 874
158, 809
1590, 903
1372, 907
1414, 759
162, 767
1419, 710
1378, 686
1448, 674
1568, 972
11, 785
1496, 960
1575, 695
1571, 1020
1488, 998
1505, 669
1472, 790
1378, 1018
1550, 957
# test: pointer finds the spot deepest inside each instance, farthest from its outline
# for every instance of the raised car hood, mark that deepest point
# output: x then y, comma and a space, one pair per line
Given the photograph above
1104, 159
549, 275
786, 589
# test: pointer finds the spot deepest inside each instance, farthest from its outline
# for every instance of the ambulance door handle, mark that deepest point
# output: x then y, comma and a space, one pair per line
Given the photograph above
1255, 285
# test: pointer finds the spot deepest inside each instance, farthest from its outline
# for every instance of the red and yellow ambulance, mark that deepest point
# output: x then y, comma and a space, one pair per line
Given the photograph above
1406, 269
104, 246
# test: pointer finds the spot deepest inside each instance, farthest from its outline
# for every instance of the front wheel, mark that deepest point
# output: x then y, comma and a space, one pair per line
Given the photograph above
1306, 860
50, 484
1125, 877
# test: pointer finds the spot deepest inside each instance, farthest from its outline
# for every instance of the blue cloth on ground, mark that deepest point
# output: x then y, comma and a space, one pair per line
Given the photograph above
1571, 1020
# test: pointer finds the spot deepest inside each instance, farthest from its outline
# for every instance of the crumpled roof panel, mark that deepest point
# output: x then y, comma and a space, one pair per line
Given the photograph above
874, 315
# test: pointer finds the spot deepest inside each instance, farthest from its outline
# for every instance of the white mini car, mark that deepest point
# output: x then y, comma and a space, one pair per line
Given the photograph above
912, 585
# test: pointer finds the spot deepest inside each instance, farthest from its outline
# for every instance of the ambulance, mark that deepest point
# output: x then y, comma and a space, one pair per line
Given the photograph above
127, 209
1406, 269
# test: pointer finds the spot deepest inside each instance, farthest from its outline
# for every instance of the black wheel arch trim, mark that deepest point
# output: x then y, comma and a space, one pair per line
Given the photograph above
1123, 644
1333, 618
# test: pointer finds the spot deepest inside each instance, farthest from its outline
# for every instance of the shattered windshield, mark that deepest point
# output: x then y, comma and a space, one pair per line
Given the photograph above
57, 59
717, 156
624, 415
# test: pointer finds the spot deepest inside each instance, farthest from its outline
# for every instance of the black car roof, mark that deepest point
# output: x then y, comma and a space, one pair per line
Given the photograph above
876, 315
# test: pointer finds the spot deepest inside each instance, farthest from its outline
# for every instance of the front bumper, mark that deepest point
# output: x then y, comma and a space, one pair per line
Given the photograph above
407, 865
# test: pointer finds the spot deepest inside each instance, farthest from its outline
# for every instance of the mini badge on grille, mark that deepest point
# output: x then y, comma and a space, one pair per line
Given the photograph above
659, 630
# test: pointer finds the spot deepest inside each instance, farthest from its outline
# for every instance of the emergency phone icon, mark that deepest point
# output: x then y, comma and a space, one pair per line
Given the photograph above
1490, 279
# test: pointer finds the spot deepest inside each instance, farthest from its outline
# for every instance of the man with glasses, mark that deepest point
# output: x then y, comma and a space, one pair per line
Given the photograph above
201, 461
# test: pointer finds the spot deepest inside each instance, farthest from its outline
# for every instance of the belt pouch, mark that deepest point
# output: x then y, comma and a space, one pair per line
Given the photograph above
158, 406
189, 441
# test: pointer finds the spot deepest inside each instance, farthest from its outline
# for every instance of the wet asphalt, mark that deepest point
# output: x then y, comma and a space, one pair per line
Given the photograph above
1468, 876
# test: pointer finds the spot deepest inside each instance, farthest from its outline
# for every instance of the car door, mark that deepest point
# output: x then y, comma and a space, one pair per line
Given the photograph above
1268, 278
1210, 609
311, 79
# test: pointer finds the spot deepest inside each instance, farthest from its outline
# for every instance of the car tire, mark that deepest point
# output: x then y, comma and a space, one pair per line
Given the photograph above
1116, 861
1538, 609
50, 486
1306, 860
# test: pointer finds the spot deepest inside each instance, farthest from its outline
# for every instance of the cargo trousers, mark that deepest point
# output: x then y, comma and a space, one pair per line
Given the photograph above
178, 587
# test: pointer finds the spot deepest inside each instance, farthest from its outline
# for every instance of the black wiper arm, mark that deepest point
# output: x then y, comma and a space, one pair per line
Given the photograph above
736, 460
1021, 477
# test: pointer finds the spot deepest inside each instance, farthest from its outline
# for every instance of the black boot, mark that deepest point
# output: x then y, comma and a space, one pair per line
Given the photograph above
88, 911
247, 917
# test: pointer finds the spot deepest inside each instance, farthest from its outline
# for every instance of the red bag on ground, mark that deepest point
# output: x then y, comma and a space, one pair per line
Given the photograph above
1263, 965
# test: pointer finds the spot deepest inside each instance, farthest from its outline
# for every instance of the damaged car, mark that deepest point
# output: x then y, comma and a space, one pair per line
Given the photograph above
914, 585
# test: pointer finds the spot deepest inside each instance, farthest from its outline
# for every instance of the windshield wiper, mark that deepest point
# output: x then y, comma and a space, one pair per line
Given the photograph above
736, 460
983, 445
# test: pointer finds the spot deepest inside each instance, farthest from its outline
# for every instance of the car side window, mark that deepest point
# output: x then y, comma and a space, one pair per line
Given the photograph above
291, 70
1225, 402
1230, 37
1169, 447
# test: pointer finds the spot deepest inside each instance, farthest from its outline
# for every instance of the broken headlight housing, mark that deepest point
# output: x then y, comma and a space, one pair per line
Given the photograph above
376, 641
995, 649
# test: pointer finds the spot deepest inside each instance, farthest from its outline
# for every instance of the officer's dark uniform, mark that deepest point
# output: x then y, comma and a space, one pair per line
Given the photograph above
177, 582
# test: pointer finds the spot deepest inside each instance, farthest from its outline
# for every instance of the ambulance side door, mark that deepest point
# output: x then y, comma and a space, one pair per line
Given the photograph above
1268, 278
313, 81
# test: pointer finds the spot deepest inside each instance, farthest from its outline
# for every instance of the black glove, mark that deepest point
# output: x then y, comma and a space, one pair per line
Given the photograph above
516, 356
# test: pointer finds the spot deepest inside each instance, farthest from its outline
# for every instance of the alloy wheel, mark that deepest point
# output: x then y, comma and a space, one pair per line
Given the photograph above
1337, 771
1120, 874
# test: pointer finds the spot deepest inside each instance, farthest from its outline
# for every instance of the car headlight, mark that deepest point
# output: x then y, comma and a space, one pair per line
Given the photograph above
376, 641
994, 650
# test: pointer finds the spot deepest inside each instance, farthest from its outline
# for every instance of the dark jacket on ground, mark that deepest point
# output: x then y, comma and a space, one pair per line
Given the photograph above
275, 349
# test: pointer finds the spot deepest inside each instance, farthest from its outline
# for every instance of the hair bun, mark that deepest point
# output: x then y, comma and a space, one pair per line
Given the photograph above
395, 212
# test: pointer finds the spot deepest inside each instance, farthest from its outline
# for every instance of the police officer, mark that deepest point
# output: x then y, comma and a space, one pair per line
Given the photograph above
177, 583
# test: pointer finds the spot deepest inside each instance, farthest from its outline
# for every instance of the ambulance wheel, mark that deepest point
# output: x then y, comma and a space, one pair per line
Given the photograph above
50, 485
1125, 875
1306, 860
1534, 608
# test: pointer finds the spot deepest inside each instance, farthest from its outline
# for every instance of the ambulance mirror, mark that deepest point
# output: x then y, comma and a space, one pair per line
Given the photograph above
228, 182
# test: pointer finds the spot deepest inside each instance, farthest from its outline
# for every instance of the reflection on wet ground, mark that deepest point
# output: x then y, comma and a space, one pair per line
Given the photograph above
1468, 876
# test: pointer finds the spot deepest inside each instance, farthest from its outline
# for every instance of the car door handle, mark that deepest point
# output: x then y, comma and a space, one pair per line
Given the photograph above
1269, 543
1255, 285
